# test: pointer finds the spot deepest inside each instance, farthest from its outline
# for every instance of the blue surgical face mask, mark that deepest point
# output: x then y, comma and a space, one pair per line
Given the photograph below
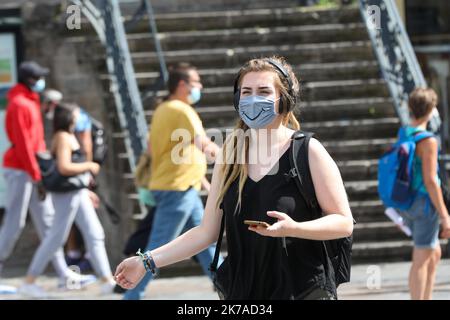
39, 86
195, 95
257, 111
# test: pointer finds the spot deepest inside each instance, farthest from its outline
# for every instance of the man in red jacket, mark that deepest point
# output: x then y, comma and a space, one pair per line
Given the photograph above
25, 131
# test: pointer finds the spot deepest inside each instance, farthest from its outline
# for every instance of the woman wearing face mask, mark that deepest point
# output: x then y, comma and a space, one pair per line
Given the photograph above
71, 206
247, 187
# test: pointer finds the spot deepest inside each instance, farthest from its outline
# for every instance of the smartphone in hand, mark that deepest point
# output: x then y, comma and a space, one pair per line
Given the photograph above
255, 223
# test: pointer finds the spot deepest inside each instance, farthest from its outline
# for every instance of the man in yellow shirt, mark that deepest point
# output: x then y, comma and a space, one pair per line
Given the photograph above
178, 146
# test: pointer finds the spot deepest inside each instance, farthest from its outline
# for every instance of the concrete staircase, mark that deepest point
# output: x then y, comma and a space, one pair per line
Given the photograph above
344, 99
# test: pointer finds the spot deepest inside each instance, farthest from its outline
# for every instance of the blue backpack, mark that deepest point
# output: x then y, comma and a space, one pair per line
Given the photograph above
395, 171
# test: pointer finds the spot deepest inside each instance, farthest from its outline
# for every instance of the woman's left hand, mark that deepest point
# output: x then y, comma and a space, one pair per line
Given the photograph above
129, 272
94, 198
282, 228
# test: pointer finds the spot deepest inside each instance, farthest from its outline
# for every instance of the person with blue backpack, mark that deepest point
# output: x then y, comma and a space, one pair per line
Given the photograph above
408, 181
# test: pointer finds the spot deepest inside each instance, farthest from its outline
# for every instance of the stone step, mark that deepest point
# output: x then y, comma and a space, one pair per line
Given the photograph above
372, 252
359, 170
356, 88
350, 170
362, 190
364, 211
234, 19
350, 129
345, 109
352, 149
357, 192
182, 21
236, 56
377, 231
346, 141
368, 211
358, 149
306, 72
386, 251
129, 7
336, 130
207, 39
310, 91
314, 111
363, 195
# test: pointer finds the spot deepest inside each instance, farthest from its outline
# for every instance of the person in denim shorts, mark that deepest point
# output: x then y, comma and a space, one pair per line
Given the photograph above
428, 208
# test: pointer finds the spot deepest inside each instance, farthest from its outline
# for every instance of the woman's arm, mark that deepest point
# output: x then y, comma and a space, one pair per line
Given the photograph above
337, 221
427, 150
205, 184
209, 148
130, 271
85, 139
63, 151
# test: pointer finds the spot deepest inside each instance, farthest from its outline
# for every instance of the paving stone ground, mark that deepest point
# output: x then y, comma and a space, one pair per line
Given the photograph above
374, 282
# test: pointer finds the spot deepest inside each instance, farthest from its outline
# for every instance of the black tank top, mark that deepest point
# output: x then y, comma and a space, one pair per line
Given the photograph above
260, 267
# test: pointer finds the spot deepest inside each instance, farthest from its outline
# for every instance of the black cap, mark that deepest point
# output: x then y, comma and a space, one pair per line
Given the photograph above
30, 69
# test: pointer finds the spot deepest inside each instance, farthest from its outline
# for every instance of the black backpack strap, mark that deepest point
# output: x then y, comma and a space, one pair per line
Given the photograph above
213, 266
298, 158
301, 174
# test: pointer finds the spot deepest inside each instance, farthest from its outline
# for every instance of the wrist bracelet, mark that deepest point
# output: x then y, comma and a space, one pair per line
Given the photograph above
149, 263
143, 260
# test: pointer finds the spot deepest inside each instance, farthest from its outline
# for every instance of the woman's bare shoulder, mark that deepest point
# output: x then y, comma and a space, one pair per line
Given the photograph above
61, 138
427, 144
316, 148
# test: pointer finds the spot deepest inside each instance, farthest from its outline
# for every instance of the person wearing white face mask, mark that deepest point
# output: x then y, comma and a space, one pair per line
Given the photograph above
25, 191
274, 232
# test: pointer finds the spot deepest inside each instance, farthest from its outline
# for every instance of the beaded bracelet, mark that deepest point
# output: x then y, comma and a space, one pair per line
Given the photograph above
147, 269
149, 263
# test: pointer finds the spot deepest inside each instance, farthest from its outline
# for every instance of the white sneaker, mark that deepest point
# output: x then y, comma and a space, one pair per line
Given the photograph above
4, 289
107, 287
32, 291
75, 281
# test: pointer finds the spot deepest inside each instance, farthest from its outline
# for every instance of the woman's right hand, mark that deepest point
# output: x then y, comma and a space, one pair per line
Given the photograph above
129, 272
95, 168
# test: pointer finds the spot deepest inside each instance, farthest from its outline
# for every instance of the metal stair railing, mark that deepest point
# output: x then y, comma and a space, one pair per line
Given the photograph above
124, 85
395, 54
146, 9
105, 17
